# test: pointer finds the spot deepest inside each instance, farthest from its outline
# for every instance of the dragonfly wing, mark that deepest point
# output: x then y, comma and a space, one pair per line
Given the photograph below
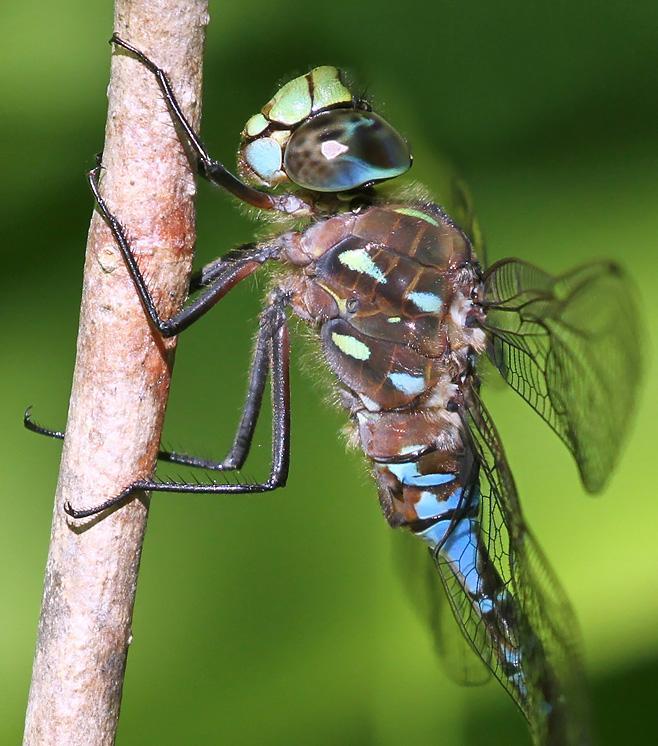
570, 346
418, 577
458, 203
508, 602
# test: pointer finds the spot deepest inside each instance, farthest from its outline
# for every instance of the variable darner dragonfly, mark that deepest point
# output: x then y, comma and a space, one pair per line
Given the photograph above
404, 310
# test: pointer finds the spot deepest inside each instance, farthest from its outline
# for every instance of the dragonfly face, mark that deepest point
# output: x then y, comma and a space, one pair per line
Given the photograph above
403, 310
313, 133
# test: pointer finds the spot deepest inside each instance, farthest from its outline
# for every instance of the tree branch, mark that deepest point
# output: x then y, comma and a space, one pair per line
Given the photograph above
121, 381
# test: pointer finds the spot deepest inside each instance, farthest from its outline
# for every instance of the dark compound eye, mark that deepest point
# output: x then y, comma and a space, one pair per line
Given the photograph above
343, 149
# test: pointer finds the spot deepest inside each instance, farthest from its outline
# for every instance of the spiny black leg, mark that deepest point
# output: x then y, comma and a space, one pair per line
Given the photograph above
219, 267
201, 278
242, 441
239, 266
34, 427
274, 321
235, 458
259, 369
212, 170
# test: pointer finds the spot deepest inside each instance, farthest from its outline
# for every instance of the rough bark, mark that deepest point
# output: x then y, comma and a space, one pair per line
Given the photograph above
121, 381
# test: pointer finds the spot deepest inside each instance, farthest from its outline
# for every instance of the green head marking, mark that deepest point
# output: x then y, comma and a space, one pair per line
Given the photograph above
255, 125
314, 134
328, 88
291, 103
265, 134
303, 96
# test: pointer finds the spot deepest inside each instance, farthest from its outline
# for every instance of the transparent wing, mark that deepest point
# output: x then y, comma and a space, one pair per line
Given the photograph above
571, 347
461, 210
508, 602
418, 577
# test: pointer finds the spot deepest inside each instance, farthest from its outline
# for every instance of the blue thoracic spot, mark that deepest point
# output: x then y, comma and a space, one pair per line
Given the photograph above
408, 384
429, 506
412, 448
429, 302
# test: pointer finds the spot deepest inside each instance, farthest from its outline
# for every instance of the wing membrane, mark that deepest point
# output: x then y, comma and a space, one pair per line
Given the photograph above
462, 211
570, 346
509, 604
418, 578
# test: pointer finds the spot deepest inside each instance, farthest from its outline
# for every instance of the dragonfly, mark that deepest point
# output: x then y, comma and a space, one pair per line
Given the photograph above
405, 312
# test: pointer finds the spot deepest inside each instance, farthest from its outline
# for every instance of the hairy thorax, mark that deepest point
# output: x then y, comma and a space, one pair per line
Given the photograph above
390, 291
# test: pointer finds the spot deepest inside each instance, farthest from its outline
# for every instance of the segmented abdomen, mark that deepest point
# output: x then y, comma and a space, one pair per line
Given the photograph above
391, 289
444, 510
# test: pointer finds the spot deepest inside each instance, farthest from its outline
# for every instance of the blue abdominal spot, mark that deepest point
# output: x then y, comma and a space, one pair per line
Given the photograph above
460, 550
486, 605
435, 534
408, 474
429, 506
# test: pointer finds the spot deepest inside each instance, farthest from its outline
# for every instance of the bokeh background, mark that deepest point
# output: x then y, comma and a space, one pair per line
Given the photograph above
281, 619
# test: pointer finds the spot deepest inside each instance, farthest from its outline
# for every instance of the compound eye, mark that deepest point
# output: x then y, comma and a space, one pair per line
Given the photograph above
343, 149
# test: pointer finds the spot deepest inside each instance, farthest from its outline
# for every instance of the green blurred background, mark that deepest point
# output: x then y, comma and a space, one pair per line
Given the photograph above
281, 619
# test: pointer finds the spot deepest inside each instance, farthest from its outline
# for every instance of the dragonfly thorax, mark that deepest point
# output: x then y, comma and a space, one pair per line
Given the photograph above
389, 288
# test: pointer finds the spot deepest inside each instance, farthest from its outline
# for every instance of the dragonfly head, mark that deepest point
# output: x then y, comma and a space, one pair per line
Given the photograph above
316, 135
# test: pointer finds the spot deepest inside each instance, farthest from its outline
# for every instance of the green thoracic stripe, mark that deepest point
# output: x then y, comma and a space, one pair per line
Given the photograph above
351, 346
358, 260
416, 214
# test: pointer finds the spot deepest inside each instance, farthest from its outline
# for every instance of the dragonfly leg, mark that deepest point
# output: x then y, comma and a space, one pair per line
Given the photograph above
274, 324
214, 280
35, 427
238, 265
242, 441
223, 265
239, 451
210, 169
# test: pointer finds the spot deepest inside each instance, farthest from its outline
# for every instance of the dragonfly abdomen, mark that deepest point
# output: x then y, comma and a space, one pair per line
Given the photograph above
421, 491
